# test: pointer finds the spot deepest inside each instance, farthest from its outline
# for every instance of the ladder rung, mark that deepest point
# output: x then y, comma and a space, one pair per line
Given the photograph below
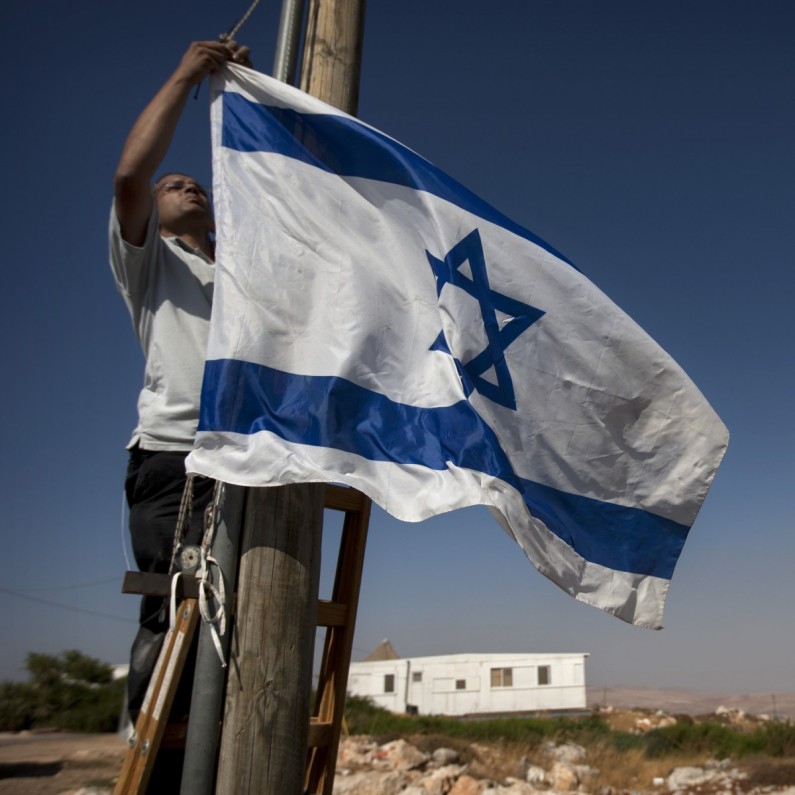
341, 498
320, 733
331, 614
151, 584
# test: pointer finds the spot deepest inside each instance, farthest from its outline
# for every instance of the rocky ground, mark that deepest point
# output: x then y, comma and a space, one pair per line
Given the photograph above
366, 768
54, 763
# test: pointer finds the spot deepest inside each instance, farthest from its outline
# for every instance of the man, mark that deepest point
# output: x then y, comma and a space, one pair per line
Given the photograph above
161, 253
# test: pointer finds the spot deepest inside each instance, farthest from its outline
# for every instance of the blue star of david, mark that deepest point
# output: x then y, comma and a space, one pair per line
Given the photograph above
521, 317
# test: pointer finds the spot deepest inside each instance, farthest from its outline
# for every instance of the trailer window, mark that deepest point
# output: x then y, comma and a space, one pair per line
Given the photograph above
416, 676
460, 684
544, 677
389, 683
502, 677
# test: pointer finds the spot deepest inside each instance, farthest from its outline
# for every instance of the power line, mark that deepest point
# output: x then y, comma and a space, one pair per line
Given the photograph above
69, 587
67, 607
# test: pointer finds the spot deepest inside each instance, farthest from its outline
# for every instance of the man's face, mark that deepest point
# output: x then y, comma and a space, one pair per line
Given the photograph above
180, 198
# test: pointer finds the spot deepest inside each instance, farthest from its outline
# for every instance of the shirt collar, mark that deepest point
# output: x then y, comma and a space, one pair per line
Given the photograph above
178, 241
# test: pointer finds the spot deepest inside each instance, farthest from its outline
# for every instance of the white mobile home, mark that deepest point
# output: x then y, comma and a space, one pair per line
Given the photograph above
472, 684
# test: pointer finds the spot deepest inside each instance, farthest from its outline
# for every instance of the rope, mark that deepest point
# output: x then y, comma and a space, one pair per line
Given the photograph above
209, 590
207, 587
232, 32
183, 521
124, 527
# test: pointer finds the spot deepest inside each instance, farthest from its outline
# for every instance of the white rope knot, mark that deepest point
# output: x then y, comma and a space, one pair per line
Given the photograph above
208, 591
211, 585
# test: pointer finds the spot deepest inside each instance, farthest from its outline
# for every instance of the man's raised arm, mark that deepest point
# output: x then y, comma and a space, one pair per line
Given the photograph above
151, 135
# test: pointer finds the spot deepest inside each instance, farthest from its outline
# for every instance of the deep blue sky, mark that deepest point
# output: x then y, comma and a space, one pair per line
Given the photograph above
652, 143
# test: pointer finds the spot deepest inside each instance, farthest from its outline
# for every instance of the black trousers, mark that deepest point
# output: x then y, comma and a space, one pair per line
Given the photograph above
154, 485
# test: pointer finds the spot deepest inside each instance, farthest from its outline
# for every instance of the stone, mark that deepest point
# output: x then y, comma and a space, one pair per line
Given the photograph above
466, 785
510, 786
684, 777
359, 783
563, 777
445, 756
356, 752
401, 755
440, 781
392, 784
535, 775
513, 786
568, 752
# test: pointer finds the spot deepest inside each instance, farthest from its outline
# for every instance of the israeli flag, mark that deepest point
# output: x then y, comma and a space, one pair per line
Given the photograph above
377, 324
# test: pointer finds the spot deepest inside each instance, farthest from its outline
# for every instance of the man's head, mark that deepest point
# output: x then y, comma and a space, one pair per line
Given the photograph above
183, 206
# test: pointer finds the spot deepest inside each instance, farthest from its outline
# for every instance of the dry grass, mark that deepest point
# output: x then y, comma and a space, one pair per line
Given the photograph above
628, 769
621, 770
771, 773
617, 769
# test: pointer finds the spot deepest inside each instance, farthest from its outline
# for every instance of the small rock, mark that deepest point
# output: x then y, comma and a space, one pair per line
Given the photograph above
684, 777
392, 783
568, 752
513, 786
355, 784
466, 785
563, 777
535, 775
440, 781
445, 756
402, 756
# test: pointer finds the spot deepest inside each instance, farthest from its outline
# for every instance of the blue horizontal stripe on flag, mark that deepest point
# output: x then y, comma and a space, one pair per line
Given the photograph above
326, 411
343, 146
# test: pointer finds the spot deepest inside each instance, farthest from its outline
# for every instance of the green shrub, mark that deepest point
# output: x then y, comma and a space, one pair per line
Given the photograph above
364, 717
69, 691
16, 700
714, 739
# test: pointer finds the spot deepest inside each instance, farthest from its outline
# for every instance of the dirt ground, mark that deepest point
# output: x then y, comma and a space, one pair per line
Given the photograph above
56, 763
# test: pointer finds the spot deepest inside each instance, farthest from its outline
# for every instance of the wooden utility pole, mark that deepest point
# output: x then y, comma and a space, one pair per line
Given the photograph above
333, 52
266, 718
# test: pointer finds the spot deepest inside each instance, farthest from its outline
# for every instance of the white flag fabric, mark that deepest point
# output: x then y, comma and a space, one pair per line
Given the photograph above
377, 324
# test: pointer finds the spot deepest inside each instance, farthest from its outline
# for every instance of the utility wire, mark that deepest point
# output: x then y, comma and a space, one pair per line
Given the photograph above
67, 587
67, 607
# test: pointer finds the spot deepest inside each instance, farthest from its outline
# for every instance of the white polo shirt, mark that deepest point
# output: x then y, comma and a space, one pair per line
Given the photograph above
168, 289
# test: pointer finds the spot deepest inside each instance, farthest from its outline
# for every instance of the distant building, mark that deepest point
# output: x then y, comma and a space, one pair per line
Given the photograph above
471, 684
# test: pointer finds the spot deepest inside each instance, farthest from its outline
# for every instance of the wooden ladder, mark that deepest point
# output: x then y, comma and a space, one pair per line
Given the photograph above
337, 615
339, 618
